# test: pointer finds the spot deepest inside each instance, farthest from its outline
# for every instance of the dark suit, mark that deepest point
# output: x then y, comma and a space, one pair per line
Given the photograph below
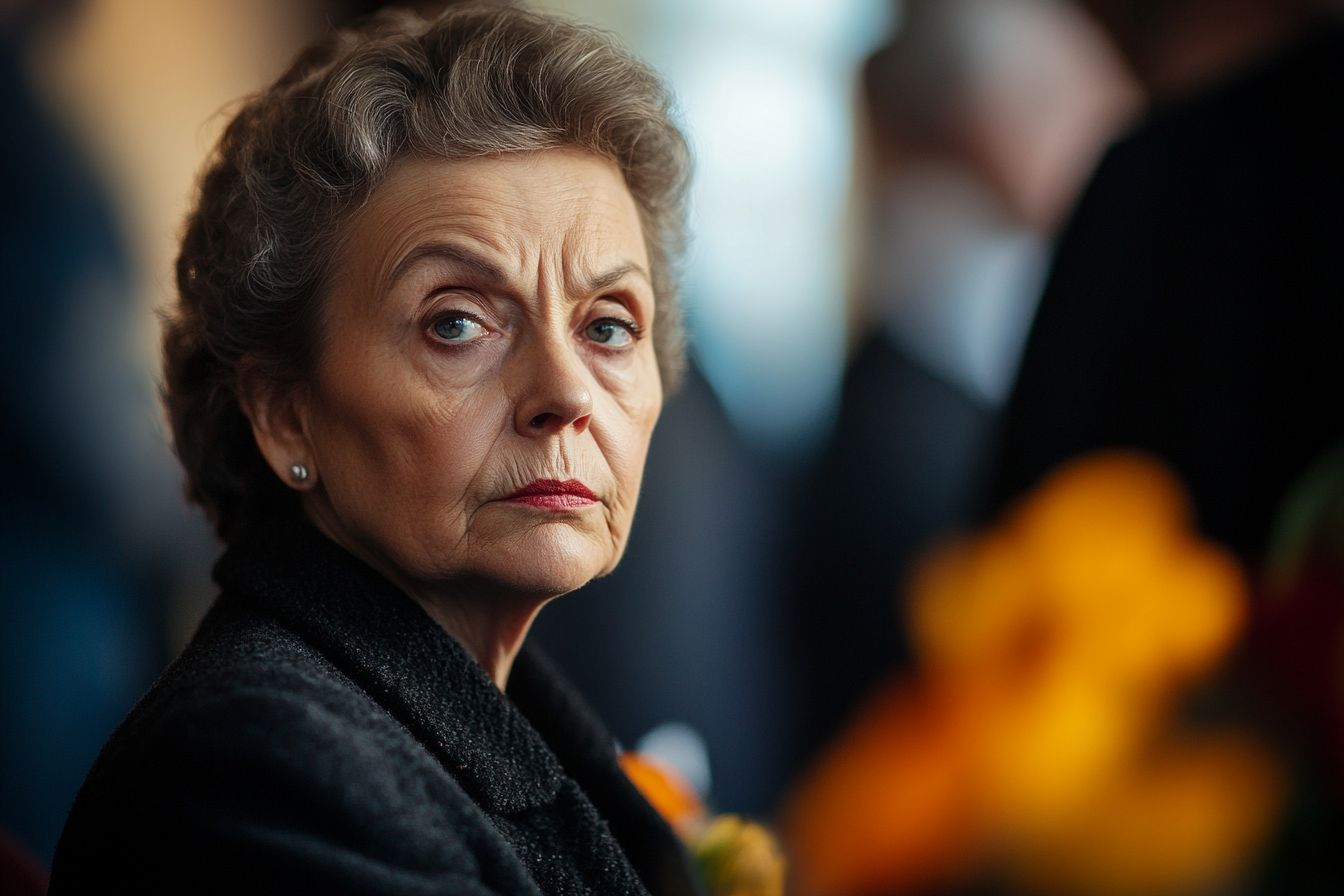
1196, 305
322, 734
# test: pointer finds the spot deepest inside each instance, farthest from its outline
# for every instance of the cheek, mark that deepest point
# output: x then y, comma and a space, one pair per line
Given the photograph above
633, 383
399, 441
455, 437
624, 434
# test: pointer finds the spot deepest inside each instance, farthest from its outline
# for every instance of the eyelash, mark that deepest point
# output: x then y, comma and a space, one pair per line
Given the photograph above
635, 329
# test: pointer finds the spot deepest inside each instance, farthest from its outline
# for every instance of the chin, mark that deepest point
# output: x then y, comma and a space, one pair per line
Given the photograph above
551, 562
541, 580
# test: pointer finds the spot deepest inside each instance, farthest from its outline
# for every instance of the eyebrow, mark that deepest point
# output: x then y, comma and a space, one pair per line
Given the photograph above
486, 269
473, 261
616, 275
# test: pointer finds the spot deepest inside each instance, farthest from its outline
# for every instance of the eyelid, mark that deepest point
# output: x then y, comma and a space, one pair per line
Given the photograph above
628, 314
459, 300
623, 317
450, 313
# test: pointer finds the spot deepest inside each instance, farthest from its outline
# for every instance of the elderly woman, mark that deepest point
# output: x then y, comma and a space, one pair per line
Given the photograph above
424, 326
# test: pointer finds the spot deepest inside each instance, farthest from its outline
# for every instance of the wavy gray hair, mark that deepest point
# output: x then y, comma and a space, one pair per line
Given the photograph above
301, 157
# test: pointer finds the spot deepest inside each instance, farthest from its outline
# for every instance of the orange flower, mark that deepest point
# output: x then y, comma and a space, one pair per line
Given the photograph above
1052, 649
889, 806
1180, 821
735, 857
1073, 625
667, 790
1097, 572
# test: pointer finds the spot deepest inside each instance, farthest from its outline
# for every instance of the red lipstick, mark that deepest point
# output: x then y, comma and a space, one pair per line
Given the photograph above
552, 494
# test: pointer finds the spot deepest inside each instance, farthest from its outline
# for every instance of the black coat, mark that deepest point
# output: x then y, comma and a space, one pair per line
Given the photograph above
322, 734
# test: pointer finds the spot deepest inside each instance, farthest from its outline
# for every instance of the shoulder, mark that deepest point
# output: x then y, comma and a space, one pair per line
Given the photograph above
256, 758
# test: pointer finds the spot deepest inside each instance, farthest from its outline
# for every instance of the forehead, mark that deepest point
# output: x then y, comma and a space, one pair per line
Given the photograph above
518, 209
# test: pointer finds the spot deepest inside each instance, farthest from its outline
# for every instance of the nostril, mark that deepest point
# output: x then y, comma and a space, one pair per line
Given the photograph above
538, 421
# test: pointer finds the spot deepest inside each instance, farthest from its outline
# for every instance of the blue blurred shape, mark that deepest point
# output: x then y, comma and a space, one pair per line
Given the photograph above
766, 90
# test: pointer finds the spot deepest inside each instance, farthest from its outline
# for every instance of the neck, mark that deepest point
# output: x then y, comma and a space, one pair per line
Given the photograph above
489, 622
490, 627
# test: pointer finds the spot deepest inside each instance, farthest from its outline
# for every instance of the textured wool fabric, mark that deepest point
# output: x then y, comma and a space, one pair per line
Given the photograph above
322, 734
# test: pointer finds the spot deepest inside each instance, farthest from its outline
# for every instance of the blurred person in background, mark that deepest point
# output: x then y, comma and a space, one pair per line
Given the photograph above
985, 118
90, 515
1177, 47
1195, 310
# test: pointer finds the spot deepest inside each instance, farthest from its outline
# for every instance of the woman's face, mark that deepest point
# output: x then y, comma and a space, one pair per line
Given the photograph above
488, 385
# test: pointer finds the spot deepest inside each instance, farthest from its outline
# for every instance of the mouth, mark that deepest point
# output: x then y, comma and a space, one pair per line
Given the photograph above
552, 494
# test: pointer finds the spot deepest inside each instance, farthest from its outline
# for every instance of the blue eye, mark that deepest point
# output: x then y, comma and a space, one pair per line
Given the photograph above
611, 332
458, 328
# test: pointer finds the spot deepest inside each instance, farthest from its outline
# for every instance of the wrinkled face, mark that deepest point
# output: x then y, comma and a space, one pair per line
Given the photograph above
488, 386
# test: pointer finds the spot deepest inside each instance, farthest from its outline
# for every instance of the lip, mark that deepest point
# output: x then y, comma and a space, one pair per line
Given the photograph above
552, 494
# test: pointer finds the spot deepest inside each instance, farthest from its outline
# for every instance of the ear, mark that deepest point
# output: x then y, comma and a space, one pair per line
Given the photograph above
276, 414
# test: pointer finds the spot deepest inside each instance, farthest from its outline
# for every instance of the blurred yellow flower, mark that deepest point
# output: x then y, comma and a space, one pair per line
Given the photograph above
1051, 651
739, 858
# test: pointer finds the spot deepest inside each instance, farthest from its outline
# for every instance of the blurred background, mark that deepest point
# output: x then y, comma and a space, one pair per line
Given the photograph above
914, 289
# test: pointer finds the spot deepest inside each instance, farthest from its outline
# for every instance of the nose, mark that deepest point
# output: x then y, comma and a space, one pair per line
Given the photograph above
555, 391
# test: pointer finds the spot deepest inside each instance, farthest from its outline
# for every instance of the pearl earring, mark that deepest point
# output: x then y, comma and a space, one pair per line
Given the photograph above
299, 472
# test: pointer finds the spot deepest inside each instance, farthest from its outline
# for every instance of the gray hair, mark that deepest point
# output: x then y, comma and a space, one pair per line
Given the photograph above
301, 157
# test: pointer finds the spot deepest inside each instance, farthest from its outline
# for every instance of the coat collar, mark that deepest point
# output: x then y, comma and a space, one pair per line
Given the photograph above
588, 754
389, 646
